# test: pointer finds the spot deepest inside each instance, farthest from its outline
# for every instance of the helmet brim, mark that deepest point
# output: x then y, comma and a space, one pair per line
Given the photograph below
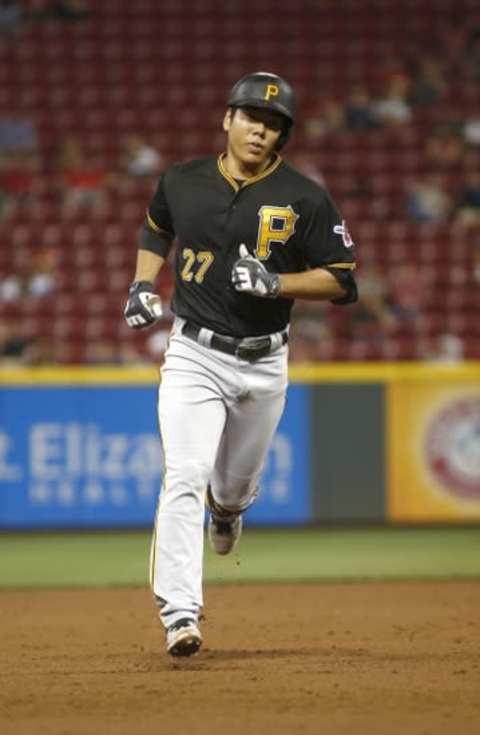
263, 104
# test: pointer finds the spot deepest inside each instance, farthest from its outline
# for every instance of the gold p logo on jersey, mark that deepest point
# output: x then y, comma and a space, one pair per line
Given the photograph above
271, 90
277, 225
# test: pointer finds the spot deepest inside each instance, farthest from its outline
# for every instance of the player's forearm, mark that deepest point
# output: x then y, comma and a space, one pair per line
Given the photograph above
148, 265
315, 284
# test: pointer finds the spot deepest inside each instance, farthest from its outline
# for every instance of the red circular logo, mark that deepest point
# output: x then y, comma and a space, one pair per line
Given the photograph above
452, 448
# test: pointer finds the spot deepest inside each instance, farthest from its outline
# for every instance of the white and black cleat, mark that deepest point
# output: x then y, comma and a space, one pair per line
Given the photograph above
224, 527
224, 533
183, 638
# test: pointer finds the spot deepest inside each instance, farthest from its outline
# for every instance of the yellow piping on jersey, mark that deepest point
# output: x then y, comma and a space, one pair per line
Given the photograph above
253, 179
347, 266
152, 224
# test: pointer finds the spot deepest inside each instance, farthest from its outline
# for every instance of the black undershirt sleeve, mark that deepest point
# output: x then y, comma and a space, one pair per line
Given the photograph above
157, 242
157, 233
346, 281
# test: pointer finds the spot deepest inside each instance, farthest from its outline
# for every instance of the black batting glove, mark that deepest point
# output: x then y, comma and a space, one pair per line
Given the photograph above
144, 307
250, 276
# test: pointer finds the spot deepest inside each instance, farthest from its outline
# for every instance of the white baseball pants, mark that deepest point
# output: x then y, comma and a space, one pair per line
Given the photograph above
217, 416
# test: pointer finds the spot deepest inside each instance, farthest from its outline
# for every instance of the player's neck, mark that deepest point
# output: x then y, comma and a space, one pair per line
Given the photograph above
241, 171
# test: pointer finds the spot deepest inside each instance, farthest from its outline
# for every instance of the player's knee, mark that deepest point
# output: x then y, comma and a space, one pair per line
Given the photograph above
190, 474
237, 495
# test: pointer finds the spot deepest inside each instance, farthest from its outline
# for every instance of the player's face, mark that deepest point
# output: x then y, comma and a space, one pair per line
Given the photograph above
252, 134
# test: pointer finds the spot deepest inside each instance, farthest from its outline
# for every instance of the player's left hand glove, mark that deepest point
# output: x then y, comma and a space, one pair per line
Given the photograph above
250, 276
143, 307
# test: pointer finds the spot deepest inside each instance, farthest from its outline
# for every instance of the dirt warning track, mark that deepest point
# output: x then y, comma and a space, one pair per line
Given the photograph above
380, 658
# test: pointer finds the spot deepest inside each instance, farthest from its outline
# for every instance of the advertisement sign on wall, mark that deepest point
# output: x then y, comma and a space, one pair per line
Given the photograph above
90, 457
434, 432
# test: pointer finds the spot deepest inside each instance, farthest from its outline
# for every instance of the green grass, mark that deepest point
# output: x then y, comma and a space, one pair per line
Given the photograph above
121, 558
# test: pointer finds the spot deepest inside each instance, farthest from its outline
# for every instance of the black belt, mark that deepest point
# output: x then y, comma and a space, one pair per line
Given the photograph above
251, 348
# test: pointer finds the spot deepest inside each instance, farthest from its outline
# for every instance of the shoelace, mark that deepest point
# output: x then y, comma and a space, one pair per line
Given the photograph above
184, 623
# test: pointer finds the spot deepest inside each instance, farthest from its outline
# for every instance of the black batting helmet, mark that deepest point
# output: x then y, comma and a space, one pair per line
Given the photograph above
268, 91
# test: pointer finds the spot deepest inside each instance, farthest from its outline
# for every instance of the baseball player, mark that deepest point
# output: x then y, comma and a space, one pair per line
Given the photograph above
252, 234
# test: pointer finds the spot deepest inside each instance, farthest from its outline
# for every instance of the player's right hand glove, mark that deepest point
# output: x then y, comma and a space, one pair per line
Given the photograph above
143, 307
250, 276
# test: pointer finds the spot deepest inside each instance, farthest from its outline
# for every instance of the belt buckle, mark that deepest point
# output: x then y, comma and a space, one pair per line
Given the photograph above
254, 352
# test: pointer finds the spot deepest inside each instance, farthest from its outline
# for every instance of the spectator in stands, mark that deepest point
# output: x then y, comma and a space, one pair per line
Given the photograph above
427, 200
41, 276
307, 165
392, 68
443, 347
476, 257
428, 85
470, 64
471, 129
157, 343
469, 202
42, 351
102, 352
371, 317
358, 109
20, 181
406, 293
84, 183
68, 10
451, 40
358, 188
445, 147
35, 277
13, 345
128, 354
17, 134
328, 116
312, 336
393, 108
11, 16
140, 159
11, 288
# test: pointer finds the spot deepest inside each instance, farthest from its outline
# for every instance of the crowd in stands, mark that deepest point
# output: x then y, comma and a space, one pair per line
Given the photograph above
415, 98
14, 14
446, 190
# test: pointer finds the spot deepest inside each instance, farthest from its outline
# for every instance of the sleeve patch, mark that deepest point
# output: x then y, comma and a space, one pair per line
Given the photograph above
343, 231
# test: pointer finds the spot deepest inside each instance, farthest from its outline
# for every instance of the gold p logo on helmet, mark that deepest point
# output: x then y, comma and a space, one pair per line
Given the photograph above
271, 91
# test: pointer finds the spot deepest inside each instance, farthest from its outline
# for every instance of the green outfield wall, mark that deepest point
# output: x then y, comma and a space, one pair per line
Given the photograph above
348, 459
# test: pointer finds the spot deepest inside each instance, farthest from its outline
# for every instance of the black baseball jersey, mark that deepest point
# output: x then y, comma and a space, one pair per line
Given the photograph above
285, 219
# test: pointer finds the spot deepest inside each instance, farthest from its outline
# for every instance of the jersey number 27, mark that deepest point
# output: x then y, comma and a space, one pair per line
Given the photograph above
196, 264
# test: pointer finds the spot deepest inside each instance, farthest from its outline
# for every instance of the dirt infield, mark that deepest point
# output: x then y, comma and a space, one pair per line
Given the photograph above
325, 658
